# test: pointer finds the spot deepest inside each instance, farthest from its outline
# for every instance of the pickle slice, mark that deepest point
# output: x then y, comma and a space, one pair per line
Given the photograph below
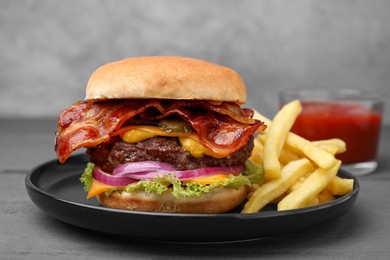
175, 126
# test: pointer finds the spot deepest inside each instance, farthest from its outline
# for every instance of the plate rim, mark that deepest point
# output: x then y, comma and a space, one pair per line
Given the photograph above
258, 215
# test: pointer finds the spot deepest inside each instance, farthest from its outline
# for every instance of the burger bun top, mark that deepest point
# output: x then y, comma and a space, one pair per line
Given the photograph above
165, 77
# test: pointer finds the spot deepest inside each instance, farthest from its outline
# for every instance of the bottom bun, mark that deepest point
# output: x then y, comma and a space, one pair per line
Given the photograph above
218, 200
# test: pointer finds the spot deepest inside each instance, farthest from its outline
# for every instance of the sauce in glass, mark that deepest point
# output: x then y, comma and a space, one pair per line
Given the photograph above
356, 124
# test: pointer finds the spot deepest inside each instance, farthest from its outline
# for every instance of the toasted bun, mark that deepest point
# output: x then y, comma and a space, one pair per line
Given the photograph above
218, 200
166, 77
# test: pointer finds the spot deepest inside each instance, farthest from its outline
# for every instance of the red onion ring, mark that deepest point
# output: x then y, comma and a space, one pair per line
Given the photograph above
109, 179
208, 171
135, 171
137, 167
148, 170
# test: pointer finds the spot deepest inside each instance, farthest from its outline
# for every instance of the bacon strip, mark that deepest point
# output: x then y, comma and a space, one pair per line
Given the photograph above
224, 127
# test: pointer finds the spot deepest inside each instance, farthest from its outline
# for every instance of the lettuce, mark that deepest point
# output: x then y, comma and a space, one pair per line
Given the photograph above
86, 177
254, 172
252, 175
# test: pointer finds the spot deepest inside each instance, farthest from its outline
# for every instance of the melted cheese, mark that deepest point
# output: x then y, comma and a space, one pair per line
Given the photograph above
97, 188
194, 147
189, 141
136, 135
208, 179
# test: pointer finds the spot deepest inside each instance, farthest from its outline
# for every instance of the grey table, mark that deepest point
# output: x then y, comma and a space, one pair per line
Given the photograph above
28, 233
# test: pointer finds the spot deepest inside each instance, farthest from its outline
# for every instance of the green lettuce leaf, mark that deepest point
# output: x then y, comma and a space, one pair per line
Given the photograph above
86, 177
254, 172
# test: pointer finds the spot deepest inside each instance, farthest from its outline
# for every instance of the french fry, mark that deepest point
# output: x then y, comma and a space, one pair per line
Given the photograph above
287, 155
325, 196
333, 146
341, 145
257, 152
340, 186
313, 202
310, 188
294, 186
288, 184
320, 157
275, 188
297, 184
276, 136
332, 149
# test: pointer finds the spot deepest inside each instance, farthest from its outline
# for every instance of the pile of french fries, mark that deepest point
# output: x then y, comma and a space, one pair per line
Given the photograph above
298, 172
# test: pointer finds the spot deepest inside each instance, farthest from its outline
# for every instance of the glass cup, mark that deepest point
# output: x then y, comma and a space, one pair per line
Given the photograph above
352, 115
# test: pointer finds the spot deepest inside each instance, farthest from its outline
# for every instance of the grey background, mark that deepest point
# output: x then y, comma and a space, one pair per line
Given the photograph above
48, 49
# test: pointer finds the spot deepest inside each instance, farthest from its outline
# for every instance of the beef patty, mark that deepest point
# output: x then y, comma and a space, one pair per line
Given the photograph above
163, 149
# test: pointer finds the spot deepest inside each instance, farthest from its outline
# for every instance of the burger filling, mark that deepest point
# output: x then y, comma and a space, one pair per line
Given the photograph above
188, 147
169, 150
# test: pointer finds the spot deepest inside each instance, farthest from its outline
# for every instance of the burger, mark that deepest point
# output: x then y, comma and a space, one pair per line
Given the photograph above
163, 134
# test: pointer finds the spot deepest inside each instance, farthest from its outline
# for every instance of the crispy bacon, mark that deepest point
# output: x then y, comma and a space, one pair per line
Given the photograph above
224, 127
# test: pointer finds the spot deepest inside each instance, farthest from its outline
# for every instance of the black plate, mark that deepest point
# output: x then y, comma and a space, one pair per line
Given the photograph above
56, 190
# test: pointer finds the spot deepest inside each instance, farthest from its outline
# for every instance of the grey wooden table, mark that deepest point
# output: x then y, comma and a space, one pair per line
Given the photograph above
28, 233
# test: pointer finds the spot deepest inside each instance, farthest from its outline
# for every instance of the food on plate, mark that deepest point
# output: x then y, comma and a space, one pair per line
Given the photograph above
276, 133
340, 186
304, 146
275, 188
307, 170
310, 188
164, 134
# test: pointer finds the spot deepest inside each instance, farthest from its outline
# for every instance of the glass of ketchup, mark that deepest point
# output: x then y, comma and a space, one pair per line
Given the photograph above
352, 115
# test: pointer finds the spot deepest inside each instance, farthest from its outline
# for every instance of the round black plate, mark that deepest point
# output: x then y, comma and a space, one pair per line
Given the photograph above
56, 190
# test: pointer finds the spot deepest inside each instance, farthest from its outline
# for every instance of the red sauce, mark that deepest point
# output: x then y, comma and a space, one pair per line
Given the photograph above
356, 124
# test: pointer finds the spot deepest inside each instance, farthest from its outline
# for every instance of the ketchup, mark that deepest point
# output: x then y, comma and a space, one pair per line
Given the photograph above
356, 124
